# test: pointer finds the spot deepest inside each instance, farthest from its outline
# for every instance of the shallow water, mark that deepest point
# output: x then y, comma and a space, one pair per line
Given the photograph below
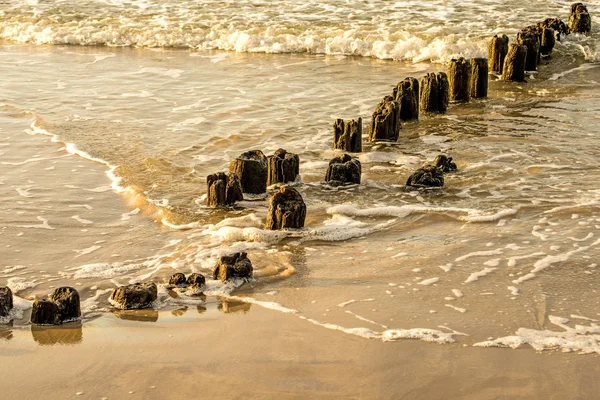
105, 152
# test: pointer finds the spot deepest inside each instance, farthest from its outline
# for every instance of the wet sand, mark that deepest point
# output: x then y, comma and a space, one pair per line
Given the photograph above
262, 354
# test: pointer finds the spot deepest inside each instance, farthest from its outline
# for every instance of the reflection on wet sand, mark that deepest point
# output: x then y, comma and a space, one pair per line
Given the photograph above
66, 334
201, 309
6, 331
230, 306
179, 312
145, 315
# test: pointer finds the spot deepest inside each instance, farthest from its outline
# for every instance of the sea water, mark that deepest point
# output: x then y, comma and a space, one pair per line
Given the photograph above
113, 113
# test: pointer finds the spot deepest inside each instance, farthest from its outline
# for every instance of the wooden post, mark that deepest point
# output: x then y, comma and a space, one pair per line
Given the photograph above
479, 78
283, 167
497, 50
560, 28
407, 94
251, 169
6, 301
532, 42
347, 136
459, 76
67, 300
385, 124
514, 64
434, 93
343, 170
427, 176
579, 19
237, 265
223, 190
444, 163
547, 40
286, 210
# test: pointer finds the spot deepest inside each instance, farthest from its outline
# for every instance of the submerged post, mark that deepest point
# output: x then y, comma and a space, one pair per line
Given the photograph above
479, 78
514, 64
434, 93
343, 170
347, 136
407, 94
459, 76
497, 50
580, 20
385, 124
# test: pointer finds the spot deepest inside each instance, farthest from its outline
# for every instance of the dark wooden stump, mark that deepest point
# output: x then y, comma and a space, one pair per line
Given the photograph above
286, 210
459, 77
347, 136
67, 300
444, 163
547, 39
45, 312
497, 50
407, 94
385, 124
196, 279
283, 167
237, 265
531, 40
427, 176
6, 301
223, 189
177, 279
251, 169
559, 27
434, 93
133, 297
479, 78
343, 170
514, 64
580, 20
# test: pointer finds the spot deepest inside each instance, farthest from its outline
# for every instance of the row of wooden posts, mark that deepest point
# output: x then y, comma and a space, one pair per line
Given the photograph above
465, 79
252, 172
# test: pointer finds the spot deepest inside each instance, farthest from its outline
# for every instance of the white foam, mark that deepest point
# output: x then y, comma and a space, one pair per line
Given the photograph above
87, 250
482, 253
24, 192
365, 319
581, 339
43, 225
127, 216
476, 275
460, 310
346, 303
457, 293
81, 220
512, 261
18, 284
430, 281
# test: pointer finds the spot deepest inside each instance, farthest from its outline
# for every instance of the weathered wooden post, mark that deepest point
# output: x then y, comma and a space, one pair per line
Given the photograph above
45, 312
237, 265
343, 170
560, 28
286, 210
497, 50
530, 39
223, 189
283, 167
426, 176
347, 136
479, 78
385, 124
134, 296
459, 77
407, 94
547, 39
67, 300
444, 163
434, 93
514, 64
251, 169
580, 20
6, 301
